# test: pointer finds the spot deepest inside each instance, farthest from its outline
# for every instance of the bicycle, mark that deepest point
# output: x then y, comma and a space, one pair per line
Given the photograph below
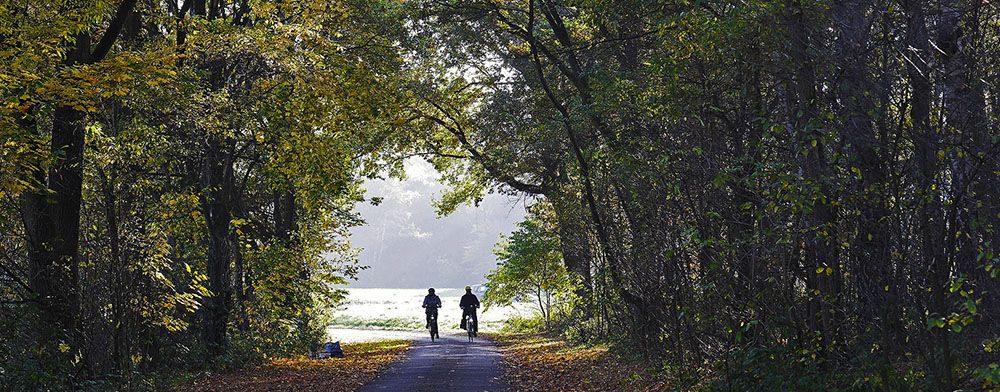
433, 321
471, 324
473, 328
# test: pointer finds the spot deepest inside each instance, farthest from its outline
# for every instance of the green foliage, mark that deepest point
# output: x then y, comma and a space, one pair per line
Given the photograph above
530, 267
770, 369
292, 99
988, 376
583, 330
785, 369
770, 179
824, 169
523, 325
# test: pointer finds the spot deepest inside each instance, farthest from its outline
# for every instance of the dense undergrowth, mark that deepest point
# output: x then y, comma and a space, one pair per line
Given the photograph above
568, 355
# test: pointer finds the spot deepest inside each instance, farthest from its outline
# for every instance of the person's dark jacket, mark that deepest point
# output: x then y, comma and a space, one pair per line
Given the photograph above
469, 300
432, 302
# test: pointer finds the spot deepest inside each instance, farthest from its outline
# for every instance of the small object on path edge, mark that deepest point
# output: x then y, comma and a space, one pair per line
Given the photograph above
331, 350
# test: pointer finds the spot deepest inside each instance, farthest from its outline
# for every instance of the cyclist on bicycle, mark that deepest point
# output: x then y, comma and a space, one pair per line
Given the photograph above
469, 304
431, 304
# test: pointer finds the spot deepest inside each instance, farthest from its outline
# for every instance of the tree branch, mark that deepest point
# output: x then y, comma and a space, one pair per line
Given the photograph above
476, 155
113, 31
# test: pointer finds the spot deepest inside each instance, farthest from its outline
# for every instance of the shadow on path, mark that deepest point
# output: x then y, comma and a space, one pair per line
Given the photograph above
450, 364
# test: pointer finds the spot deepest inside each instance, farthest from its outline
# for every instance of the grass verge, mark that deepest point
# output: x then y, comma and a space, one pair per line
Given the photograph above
394, 323
404, 324
538, 363
362, 363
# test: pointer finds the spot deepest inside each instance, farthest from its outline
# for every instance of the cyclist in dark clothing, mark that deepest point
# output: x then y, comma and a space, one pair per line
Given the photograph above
469, 304
431, 304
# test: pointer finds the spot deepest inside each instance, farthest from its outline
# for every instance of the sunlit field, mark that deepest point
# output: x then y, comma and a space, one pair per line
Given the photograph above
370, 314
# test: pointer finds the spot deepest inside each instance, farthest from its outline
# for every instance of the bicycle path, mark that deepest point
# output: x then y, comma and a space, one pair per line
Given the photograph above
451, 363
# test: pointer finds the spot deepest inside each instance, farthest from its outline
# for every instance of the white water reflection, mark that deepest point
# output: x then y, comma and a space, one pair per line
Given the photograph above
373, 314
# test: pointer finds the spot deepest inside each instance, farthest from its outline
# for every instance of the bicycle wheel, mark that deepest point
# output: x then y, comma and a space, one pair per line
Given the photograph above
434, 327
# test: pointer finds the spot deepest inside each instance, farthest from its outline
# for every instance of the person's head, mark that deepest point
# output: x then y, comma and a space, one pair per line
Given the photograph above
430, 290
468, 289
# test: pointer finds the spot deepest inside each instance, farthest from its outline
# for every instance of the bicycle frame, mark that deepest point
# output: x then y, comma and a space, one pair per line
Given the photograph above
472, 328
434, 326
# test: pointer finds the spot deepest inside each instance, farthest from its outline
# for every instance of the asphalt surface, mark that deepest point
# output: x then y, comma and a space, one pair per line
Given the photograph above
451, 363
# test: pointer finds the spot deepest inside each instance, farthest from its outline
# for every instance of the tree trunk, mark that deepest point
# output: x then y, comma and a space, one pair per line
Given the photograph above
745, 139
614, 262
199, 8
821, 254
926, 143
965, 123
965, 130
115, 269
216, 199
872, 262
51, 218
284, 217
574, 243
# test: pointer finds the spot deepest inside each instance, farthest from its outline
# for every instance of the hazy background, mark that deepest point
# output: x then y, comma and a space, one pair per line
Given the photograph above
407, 246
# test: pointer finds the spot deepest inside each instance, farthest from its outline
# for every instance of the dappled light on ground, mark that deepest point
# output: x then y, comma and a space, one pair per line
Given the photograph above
449, 364
362, 363
534, 363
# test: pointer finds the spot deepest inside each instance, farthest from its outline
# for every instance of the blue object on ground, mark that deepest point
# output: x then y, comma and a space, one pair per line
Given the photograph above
331, 350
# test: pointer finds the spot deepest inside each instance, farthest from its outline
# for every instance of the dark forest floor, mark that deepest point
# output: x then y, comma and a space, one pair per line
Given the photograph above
536, 363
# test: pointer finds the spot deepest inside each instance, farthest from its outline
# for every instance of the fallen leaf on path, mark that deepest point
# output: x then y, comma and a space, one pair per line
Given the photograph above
533, 363
362, 363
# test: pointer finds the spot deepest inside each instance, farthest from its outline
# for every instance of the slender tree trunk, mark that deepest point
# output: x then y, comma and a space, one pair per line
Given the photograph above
240, 287
285, 217
872, 262
37, 222
115, 269
614, 265
965, 123
821, 254
745, 139
964, 128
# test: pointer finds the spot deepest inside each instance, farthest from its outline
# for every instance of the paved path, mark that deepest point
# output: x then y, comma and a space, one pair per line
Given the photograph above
449, 364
